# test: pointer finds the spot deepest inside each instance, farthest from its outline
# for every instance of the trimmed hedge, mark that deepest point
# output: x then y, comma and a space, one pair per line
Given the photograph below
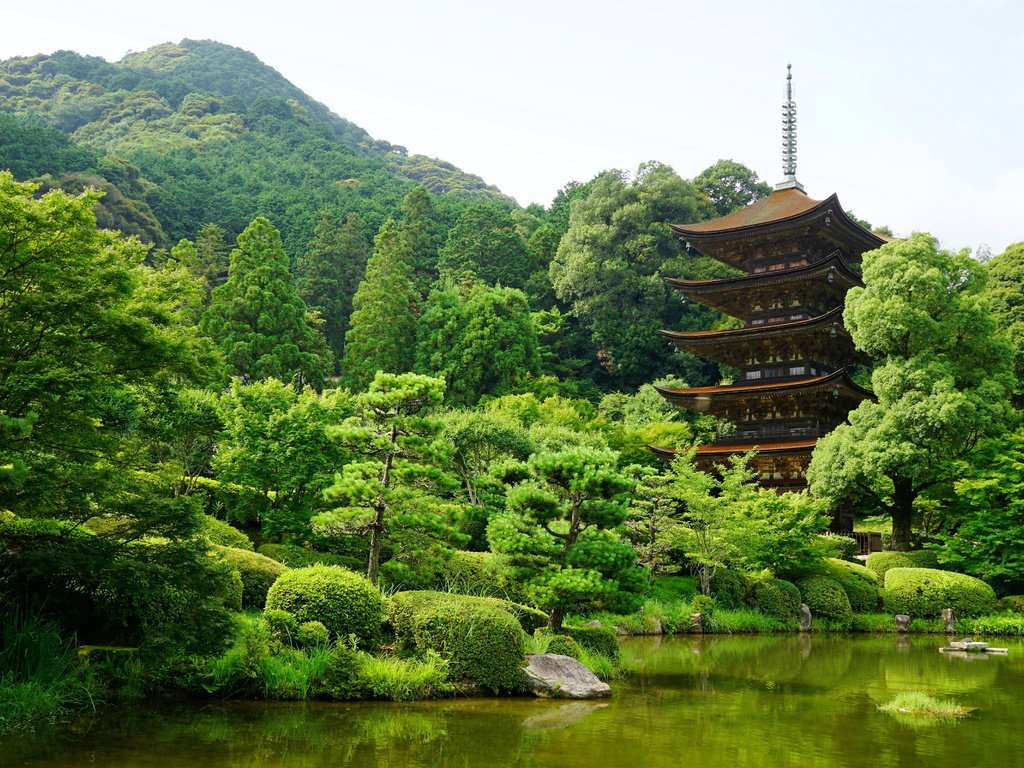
343, 601
257, 572
481, 641
776, 597
926, 591
234, 591
598, 639
295, 556
860, 584
1014, 603
564, 645
218, 532
826, 598
842, 547
881, 562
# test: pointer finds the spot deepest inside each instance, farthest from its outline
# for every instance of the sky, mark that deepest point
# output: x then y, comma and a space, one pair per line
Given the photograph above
913, 112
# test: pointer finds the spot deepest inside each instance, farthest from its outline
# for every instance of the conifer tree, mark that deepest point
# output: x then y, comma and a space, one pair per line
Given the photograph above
382, 330
257, 317
422, 234
330, 271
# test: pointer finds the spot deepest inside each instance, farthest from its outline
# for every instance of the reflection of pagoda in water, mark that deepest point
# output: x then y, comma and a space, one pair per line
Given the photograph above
792, 351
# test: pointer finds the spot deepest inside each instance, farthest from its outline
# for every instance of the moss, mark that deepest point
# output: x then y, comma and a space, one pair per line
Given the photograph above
826, 598
776, 597
881, 562
481, 640
926, 591
257, 572
343, 601
218, 532
295, 556
859, 583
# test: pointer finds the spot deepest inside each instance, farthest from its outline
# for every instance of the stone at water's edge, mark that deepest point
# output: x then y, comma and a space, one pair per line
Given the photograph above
805, 617
902, 622
949, 617
551, 675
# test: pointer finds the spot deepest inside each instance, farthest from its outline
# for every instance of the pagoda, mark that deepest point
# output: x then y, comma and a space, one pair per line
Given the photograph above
799, 257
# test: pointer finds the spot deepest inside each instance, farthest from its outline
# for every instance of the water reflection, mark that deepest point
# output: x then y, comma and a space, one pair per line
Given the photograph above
760, 701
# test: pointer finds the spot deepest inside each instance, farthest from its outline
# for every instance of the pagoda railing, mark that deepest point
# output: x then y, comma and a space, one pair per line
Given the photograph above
773, 432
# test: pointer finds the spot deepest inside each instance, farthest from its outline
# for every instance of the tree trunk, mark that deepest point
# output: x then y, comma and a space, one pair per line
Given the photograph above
373, 567
902, 514
555, 619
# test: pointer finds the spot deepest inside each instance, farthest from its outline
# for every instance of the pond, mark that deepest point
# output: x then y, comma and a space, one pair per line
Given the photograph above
771, 701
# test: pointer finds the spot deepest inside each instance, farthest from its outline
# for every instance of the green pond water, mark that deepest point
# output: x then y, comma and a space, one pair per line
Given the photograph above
761, 701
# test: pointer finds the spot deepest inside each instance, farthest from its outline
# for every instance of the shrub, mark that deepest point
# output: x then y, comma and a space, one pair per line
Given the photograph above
312, 634
1005, 624
704, 605
777, 598
282, 625
343, 601
564, 645
729, 588
598, 639
295, 556
926, 591
841, 547
480, 639
340, 679
234, 591
1014, 603
826, 598
479, 573
257, 572
398, 679
218, 532
860, 584
529, 618
881, 562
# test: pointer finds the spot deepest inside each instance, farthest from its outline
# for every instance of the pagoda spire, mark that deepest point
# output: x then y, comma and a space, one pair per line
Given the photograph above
789, 137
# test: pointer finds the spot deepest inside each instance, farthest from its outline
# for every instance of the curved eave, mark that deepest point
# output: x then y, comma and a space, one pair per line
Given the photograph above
712, 451
835, 263
702, 399
832, 318
735, 226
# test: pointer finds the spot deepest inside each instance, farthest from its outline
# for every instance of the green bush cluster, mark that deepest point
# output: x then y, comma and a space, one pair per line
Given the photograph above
926, 591
312, 634
1014, 603
295, 556
842, 547
881, 562
826, 598
343, 601
565, 646
233, 594
859, 583
728, 587
479, 573
775, 597
600, 640
481, 640
258, 573
705, 605
218, 532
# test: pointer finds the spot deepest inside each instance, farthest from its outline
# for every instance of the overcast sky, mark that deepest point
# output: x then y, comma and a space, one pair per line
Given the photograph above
912, 112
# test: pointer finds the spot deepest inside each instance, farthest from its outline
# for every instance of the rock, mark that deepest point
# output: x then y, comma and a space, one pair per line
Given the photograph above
902, 622
949, 617
698, 622
551, 675
594, 623
805, 617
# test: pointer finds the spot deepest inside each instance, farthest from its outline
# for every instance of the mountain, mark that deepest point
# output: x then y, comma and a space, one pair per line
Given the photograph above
196, 132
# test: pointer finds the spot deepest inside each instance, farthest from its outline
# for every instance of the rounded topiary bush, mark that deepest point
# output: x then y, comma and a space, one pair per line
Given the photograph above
776, 597
601, 640
343, 601
1014, 603
481, 641
728, 587
565, 646
218, 532
926, 591
860, 584
257, 572
880, 562
826, 598
312, 634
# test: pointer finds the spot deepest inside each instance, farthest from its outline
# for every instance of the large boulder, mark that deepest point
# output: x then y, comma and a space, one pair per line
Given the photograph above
550, 675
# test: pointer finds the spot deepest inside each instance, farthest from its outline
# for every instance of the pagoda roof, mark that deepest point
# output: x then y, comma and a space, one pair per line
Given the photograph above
756, 332
712, 450
702, 399
779, 206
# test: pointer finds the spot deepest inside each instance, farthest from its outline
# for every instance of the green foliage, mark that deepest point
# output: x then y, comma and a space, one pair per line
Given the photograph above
880, 562
730, 186
295, 556
397, 494
776, 597
920, 704
706, 606
1003, 625
842, 547
30, 148
485, 574
926, 591
1014, 603
258, 319
312, 634
827, 599
564, 646
557, 528
382, 330
481, 641
728, 587
673, 588
942, 377
859, 583
1006, 273
258, 573
218, 532
484, 242
234, 591
480, 339
601, 640
399, 679
282, 625
344, 602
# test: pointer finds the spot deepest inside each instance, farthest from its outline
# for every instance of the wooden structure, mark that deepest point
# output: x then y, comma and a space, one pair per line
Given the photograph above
799, 257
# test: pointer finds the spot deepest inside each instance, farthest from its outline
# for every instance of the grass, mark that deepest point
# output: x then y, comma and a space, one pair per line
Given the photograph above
404, 679
603, 667
918, 704
993, 624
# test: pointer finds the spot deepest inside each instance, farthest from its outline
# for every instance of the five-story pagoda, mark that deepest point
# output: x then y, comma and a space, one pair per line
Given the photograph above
792, 352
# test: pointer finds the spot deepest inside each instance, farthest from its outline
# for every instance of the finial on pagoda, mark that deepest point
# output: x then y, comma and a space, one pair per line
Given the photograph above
789, 137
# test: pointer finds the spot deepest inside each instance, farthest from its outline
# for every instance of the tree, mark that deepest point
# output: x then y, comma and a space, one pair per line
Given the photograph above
480, 339
399, 494
558, 529
942, 378
1005, 291
610, 269
485, 241
382, 330
257, 317
422, 234
730, 186
330, 270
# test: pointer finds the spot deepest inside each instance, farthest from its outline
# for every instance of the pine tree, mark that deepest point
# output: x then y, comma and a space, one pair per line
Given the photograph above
257, 317
382, 330
330, 271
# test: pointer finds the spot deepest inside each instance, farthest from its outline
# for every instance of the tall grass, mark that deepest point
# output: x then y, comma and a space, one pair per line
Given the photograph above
401, 679
920, 704
603, 667
38, 677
